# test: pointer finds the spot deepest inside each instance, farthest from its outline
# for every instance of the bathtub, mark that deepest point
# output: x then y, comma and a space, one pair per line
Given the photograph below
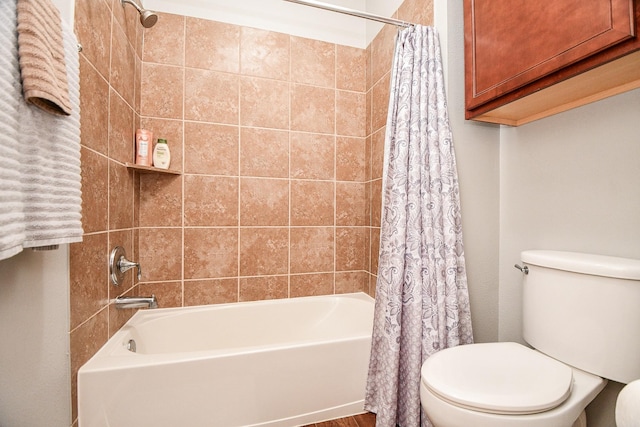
268, 363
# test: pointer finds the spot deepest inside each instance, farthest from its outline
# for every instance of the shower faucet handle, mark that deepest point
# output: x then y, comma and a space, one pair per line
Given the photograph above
119, 264
125, 265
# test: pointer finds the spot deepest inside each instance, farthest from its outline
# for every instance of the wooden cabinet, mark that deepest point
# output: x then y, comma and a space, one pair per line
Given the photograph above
525, 60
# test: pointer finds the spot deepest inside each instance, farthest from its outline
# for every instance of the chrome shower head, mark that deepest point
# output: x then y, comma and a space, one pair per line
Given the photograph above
148, 18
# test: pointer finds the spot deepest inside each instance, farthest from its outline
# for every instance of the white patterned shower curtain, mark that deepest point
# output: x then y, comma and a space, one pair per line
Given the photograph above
422, 301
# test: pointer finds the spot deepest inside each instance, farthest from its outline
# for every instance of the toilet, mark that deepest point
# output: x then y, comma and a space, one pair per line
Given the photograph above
580, 318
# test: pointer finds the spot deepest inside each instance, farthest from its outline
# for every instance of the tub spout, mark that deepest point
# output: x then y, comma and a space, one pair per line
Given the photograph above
136, 302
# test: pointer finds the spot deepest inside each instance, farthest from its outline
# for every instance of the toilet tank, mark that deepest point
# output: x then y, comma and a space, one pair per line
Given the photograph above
584, 310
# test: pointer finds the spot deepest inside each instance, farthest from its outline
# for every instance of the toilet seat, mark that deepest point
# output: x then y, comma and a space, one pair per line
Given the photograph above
498, 378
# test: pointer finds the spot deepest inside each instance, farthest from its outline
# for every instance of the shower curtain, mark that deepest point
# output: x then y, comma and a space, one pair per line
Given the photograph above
422, 301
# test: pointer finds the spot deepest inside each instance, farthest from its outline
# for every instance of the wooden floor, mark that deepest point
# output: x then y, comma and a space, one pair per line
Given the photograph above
362, 420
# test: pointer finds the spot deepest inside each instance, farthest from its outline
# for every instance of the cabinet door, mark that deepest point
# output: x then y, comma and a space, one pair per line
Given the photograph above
511, 43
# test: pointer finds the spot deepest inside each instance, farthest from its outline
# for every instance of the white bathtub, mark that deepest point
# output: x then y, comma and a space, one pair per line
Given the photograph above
267, 363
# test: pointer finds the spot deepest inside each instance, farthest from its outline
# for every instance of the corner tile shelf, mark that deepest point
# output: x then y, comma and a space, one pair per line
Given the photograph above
151, 169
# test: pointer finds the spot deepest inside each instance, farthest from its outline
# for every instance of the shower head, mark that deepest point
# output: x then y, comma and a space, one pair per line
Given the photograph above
148, 18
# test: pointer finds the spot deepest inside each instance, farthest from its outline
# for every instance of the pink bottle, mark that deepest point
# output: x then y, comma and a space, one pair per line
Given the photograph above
144, 147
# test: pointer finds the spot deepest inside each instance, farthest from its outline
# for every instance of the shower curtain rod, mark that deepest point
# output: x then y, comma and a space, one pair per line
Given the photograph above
352, 12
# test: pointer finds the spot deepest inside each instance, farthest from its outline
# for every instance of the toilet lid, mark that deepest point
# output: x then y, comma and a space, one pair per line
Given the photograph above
500, 378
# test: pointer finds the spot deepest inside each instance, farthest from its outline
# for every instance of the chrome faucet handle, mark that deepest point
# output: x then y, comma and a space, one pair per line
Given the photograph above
119, 264
125, 265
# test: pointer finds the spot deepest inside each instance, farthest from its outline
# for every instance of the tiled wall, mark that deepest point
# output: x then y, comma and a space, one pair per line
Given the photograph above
269, 131
279, 142
109, 96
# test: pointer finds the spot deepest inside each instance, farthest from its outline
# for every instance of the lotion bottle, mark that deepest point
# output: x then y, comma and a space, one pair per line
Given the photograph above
144, 142
161, 155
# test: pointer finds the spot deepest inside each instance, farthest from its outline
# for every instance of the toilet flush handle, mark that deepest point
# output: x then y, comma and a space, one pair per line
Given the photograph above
524, 269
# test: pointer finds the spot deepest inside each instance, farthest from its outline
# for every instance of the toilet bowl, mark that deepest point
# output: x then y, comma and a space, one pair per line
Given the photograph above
503, 385
578, 312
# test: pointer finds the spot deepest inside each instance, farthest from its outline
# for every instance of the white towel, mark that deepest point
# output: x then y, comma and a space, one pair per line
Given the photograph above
12, 224
40, 195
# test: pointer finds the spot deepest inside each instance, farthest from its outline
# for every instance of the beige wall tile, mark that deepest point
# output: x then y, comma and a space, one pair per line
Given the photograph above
313, 62
377, 153
210, 291
211, 96
369, 111
120, 196
368, 51
351, 68
94, 120
352, 281
121, 132
312, 249
162, 91
93, 30
264, 53
212, 45
382, 48
264, 202
264, 103
351, 201
351, 159
88, 278
123, 65
312, 156
312, 203
211, 149
263, 288
264, 152
375, 249
351, 109
210, 253
160, 254
168, 294
160, 203
263, 252
380, 103
351, 248
303, 285
210, 201
368, 159
127, 19
164, 42
312, 109
376, 202
95, 185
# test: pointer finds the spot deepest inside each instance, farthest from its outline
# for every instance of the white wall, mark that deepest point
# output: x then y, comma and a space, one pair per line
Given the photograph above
35, 371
